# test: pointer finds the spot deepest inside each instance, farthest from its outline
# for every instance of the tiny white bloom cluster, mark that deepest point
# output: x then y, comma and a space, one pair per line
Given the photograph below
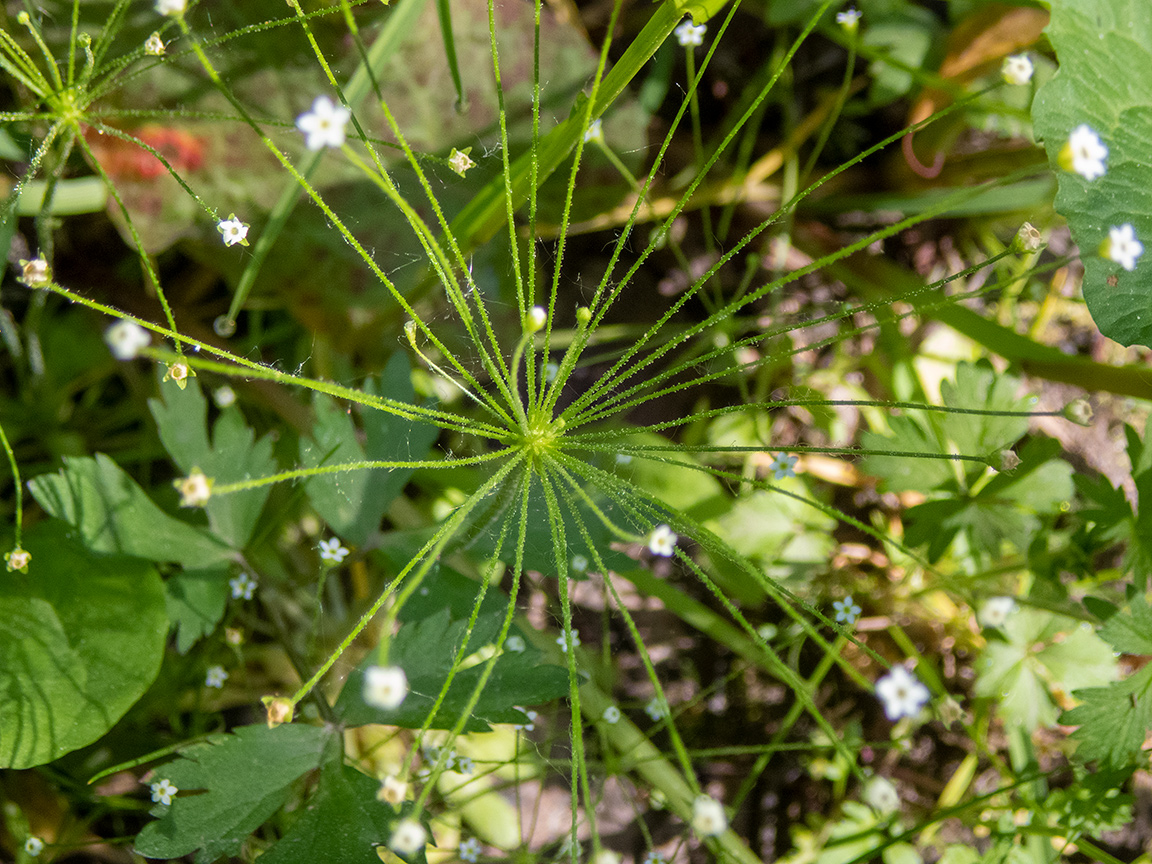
233, 231
243, 587
995, 611
1017, 69
332, 551
846, 611
469, 851
171, 7
216, 677
125, 339
1084, 153
594, 132
662, 541
408, 837
901, 694
323, 126
385, 687
1122, 246
690, 35
563, 643
708, 817
33, 846
849, 19
783, 466
655, 709
611, 715
163, 791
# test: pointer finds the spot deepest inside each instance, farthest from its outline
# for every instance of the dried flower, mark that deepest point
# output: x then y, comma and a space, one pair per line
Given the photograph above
18, 559
195, 489
179, 372
154, 45
35, 273
459, 161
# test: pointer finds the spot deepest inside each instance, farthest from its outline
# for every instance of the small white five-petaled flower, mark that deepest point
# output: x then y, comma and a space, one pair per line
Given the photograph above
783, 466
125, 339
323, 126
243, 587
216, 677
846, 611
33, 846
195, 489
594, 132
662, 541
708, 817
469, 851
1017, 69
1084, 153
233, 231
385, 687
901, 693
408, 837
995, 611
1122, 246
179, 372
563, 643
171, 7
611, 714
459, 161
332, 551
163, 791
18, 559
689, 34
849, 19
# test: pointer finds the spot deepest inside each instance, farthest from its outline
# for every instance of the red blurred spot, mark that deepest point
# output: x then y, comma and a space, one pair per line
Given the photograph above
124, 160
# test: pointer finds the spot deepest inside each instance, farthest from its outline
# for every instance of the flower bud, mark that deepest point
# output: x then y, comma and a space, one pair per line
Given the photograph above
1079, 412
280, 710
1027, 239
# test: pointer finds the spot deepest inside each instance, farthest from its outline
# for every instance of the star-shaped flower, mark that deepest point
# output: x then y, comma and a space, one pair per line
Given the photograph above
708, 817
662, 541
846, 611
33, 846
243, 587
1122, 246
154, 45
332, 551
563, 643
849, 19
323, 126
459, 161
385, 687
901, 694
163, 791
1084, 153
655, 709
195, 489
690, 35
469, 851
408, 837
1017, 69
515, 643
782, 466
233, 231
215, 677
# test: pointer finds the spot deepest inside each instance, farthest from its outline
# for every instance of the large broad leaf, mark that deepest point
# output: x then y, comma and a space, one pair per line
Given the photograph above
436, 625
81, 637
1105, 82
232, 455
113, 514
245, 776
353, 502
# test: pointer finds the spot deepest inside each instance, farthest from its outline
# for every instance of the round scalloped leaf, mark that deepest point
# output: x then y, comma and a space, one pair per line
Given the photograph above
81, 637
1105, 81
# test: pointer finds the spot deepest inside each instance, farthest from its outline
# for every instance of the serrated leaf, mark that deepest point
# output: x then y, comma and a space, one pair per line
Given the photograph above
246, 777
902, 473
353, 503
342, 822
81, 636
232, 455
1113, 720
1130, 631
1107, 86
113, 514
977, 385
196, 600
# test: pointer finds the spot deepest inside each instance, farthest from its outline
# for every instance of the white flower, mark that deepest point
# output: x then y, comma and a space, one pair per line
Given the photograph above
531, 724
849, 19
579, 564
515, 643
708, 817
562, 642
224, 396
243, 587
179, 372
846, 611
163, 791
171, 7
654, 708
880, 794
465, 765
469, 851
125, 339
1122, 246
611, 715
1017, 69
662, 541
535, 319
332, 551
323, 126
216, 677
18, 559
654, 857
35, 273
594, 132
392, 789
195, 489
995, 611
782, 466
233, 231
33, 846
385, 687
1084, 153
901, 694
408, 837
689, 34
459, 161
154, 45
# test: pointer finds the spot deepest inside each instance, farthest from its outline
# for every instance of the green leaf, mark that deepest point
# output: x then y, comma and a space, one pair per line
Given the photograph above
233, 454
354, 502
902, 473
196, 601
978, 386
425, 648
1113, 720
1043, 652
342, 822
82, 636
113, 514
1108, 88
247, 776
1094, 803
